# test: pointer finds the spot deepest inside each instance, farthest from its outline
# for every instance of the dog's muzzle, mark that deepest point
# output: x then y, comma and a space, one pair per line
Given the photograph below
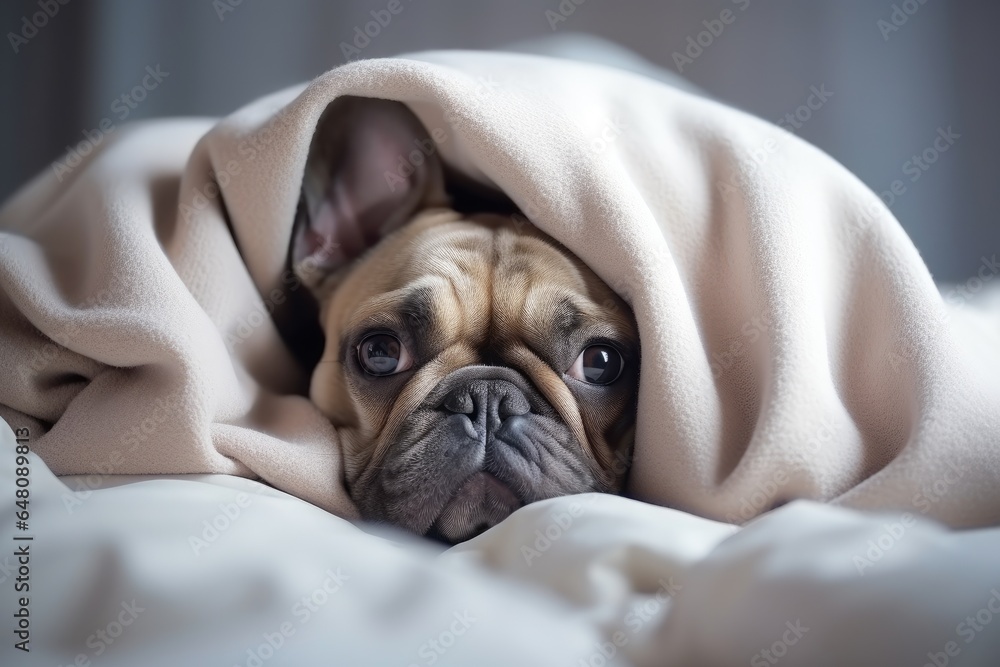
483, 443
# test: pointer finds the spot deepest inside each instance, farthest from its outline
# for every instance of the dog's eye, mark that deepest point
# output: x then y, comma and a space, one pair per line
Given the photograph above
597, 364
383, 354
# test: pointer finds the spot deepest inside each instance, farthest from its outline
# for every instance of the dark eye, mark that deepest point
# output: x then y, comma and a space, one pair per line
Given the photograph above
383, 354
597, 364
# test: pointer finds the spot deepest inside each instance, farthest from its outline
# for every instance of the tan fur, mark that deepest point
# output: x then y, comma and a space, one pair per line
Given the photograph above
495, 285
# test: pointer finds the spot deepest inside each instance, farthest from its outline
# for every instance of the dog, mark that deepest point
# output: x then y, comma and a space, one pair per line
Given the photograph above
471, 363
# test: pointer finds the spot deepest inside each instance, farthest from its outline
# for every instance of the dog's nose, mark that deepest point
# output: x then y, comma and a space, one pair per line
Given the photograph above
494, 400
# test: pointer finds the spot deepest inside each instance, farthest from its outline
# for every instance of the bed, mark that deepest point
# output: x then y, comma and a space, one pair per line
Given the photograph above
815, 475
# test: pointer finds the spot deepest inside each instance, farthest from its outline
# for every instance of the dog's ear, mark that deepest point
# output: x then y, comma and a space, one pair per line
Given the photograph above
371, 167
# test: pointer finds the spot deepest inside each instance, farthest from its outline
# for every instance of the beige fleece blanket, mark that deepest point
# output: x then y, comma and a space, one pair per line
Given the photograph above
793, 342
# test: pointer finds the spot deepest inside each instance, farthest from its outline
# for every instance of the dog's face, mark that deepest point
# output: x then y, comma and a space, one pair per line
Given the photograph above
472, 365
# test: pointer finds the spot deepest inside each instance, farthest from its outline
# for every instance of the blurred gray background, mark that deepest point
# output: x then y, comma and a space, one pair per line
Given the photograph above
892, 88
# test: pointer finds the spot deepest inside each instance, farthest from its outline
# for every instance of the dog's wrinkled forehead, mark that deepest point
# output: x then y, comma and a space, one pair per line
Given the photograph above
484, 283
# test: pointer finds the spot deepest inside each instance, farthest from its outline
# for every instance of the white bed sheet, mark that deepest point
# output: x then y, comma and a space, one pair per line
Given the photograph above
586, 580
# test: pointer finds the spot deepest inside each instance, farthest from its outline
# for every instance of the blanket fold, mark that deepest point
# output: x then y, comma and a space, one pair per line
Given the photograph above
794, 344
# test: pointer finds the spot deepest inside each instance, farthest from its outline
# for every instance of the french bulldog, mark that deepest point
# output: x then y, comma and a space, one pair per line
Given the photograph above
471, 363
